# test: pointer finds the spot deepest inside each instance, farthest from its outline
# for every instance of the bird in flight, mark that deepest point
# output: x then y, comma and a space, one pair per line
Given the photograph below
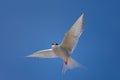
65, 49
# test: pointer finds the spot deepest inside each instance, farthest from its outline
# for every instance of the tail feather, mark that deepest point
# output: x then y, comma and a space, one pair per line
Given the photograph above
70, 65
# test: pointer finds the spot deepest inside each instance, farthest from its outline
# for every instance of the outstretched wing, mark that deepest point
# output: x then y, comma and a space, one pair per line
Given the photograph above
48, 53
71, 38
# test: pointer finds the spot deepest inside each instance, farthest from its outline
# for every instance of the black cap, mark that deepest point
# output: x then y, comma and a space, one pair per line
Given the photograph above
54, 43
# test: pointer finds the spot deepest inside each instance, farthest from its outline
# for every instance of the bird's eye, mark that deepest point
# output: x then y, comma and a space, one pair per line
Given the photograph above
56, 43
52, 43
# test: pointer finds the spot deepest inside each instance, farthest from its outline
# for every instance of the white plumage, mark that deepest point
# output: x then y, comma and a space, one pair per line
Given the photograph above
66, 47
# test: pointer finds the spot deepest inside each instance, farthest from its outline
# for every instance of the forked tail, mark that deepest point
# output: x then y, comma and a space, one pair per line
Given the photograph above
70, 64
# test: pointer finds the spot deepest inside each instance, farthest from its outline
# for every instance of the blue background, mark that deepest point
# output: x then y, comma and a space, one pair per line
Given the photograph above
30, 25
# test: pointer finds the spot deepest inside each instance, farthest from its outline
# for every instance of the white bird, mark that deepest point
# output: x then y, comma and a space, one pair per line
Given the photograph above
65, 49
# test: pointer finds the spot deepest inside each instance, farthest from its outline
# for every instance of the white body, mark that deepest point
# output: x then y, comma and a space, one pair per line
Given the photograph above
61, 52
66, 47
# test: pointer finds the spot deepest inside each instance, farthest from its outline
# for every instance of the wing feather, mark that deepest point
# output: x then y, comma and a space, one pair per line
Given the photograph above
72, 36
48, 53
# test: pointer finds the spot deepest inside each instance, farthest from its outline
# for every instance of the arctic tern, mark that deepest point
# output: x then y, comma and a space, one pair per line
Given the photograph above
65, 49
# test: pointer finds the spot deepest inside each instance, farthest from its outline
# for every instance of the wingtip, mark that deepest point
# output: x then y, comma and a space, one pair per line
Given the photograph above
81, 17
29, 56
83, 14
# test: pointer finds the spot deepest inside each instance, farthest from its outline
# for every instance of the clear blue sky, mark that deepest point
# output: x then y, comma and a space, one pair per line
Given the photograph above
30, 25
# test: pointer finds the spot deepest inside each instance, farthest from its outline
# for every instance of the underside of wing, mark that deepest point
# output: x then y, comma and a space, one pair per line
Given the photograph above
72, 36
48, 53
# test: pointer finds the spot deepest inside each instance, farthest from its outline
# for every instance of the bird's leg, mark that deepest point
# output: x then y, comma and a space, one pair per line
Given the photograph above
66, 61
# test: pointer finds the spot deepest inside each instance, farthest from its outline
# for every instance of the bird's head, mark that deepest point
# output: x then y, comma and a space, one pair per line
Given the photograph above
54, 45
